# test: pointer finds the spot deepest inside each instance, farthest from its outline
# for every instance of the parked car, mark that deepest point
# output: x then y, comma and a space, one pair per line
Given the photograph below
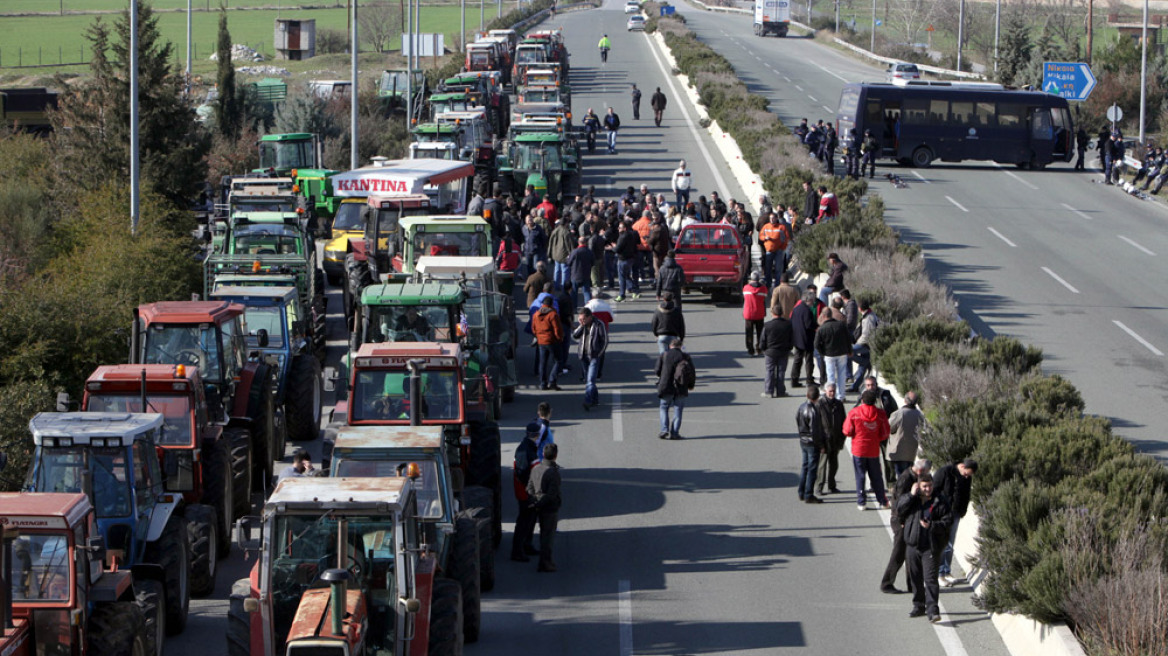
636, 22
713, 258
632, 7
903, 71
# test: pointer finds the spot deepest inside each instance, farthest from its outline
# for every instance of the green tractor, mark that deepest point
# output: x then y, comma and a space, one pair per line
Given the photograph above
547, 161
299, 156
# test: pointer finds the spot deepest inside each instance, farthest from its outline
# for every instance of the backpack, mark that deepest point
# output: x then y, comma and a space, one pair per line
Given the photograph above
685, 377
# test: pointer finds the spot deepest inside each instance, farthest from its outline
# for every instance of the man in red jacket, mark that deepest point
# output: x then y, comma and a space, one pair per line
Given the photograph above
754, 303
549, 210
867, 425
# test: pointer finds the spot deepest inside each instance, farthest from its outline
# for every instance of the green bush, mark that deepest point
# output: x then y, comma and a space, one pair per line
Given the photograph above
813, 243
1053, 394
904, 362
18, 403
920, 329
1004, 354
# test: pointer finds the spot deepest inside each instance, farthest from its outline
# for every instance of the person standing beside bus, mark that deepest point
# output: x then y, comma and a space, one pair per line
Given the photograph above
1082, 140
852, 154
868, 149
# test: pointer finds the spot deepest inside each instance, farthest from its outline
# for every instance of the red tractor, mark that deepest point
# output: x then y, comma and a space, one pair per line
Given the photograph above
57, 596
196, 453
239, 387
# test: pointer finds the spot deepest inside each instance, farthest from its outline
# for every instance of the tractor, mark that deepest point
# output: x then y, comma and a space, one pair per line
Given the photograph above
198, 456
343, 571
548, 161
278, 330
466, 555
378, 390
463, 136
58, 596
280, 154
112, 458
482, 89
240, 387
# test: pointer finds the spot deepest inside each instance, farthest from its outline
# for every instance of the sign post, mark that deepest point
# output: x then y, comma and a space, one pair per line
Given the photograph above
1114, 114
1070, 80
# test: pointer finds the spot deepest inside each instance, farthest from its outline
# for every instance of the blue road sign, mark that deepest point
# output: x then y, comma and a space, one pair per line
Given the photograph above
1070, 80
667, 10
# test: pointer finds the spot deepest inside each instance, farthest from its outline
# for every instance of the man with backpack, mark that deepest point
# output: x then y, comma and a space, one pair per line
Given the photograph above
676, 376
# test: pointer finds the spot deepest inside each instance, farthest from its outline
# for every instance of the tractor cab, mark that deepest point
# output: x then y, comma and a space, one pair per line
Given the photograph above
460, 235
280, 154
457, 101
409, 312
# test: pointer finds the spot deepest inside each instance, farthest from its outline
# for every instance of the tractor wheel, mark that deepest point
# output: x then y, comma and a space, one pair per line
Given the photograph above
464, 568
508, 394
149, 596
239, 620
445, 620
219, 490
118, 629
482, 181
239, 442
302, 399
172, 552
482, 520
202, 535
477, 496
485, 467
263, 454
358, 278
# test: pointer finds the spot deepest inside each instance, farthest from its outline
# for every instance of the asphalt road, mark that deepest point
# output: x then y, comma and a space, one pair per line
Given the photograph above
691, 547
1050, 257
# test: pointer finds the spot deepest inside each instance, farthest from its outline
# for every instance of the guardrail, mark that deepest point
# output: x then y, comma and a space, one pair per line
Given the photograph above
935, 70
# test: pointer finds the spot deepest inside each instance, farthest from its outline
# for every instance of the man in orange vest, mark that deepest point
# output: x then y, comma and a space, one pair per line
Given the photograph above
643, 227
774, 238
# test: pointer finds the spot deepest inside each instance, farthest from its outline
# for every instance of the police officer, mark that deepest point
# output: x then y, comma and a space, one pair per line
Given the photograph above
591, 127
853, 155
636, 95
830, 143
868, 150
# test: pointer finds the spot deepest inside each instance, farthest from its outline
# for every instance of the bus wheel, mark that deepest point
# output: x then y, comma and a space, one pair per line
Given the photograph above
922, 157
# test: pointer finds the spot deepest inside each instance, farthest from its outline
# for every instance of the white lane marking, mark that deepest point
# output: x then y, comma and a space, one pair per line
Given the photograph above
1136, 245
1066, 284
618, 424
825, 107
786, 78
1002, 237
336, 342
959, 205
1078, 212
921, 178
1139, 339
757, 58
624, 606
836, 75
1014, 175
798, 87
812, 98
669, 80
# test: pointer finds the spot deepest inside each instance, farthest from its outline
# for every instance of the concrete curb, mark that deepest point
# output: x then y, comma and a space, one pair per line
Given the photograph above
1021, 635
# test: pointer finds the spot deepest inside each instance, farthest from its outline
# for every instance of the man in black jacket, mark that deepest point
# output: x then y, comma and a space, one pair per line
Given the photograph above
657, 102
670, 278
812, 441
810, 202
593, 337
953, 481
833, 413
544, 490
626, 257
835, 344
671, 394
526, 457
803, 326
777, 340
925, 517
903, 486
667, 325
579, 264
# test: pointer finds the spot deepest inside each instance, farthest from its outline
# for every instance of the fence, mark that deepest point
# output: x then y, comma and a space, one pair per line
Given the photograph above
50, 57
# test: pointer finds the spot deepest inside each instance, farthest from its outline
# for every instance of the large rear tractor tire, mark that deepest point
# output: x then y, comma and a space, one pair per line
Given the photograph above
445, 619
118, 629
202, 535
149, 596
239, 620
264, 447
302, 400
464, 568
485, 469
172, 552
482, 519
219, 490
477, 496
239, 443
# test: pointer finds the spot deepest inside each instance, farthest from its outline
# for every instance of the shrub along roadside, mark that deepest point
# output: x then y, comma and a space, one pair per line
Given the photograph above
1064, 502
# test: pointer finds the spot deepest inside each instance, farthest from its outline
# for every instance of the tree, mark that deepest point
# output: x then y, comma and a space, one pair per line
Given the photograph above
911, 17
1015, 53
228, 114
379, 25
92, 127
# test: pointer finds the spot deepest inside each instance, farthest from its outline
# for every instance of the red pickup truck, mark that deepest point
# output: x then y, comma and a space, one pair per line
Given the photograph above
713, 258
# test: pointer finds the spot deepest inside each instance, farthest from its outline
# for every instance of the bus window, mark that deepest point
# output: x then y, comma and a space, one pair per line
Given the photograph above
986, 114
916, 111
1009, 116
939, 112
960, 113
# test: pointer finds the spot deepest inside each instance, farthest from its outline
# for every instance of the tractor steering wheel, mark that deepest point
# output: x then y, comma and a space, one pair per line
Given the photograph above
192, 357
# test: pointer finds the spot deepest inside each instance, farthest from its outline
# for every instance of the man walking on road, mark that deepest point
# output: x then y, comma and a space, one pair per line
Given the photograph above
657, 102
925, 517
611, 126
754, 303
953, 481
906, 425
1083, 141
545, 323
670, 278
593, 337
636, 95
869, 149
903, 486
833, 413
674, 382
626, 258
833, 341
784, 297
803, 324
682, 180
867, 425
579, 265
812, 441
775, 345
526, 457
862, 350
559, 248
543, 488
667, 325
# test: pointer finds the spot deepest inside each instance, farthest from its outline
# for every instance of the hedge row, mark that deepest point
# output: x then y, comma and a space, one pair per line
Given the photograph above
1073, 521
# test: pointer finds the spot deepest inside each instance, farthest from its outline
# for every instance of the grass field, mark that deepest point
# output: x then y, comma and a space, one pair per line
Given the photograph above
51, 40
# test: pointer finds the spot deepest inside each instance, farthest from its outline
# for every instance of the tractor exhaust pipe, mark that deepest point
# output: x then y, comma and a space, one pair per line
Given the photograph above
338, 580
135, 337
7, 536
415, 367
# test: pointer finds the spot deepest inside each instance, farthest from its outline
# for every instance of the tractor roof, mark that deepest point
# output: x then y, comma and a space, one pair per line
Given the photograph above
449, 265
444, 223
33, 510
412, 293
353, 438
292, 136
457, 95
464, 115
397, 354
266, 218
247, 294
462, 79
82, 428
127, 373
436, 128
378, 496
186, 312
279, 229
539, 137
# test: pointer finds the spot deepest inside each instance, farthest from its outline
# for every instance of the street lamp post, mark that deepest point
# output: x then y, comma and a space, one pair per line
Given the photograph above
960, 31
873, 47
462, 34
135, 163
1144, 72
188, 87
997, 31
354, 158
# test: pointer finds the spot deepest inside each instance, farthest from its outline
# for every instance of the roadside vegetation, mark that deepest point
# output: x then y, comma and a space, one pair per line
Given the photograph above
1073, 520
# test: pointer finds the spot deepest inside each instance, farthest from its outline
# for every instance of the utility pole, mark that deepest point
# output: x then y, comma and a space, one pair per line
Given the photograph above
873, 46
482, 23
837, 16
1144, 72
354, 158
407, 44
462, 34
997, 31
1090, 29
960, 31
188, 85
135, 163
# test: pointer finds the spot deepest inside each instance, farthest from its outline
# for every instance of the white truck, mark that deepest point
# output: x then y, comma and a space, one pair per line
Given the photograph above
772, 17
